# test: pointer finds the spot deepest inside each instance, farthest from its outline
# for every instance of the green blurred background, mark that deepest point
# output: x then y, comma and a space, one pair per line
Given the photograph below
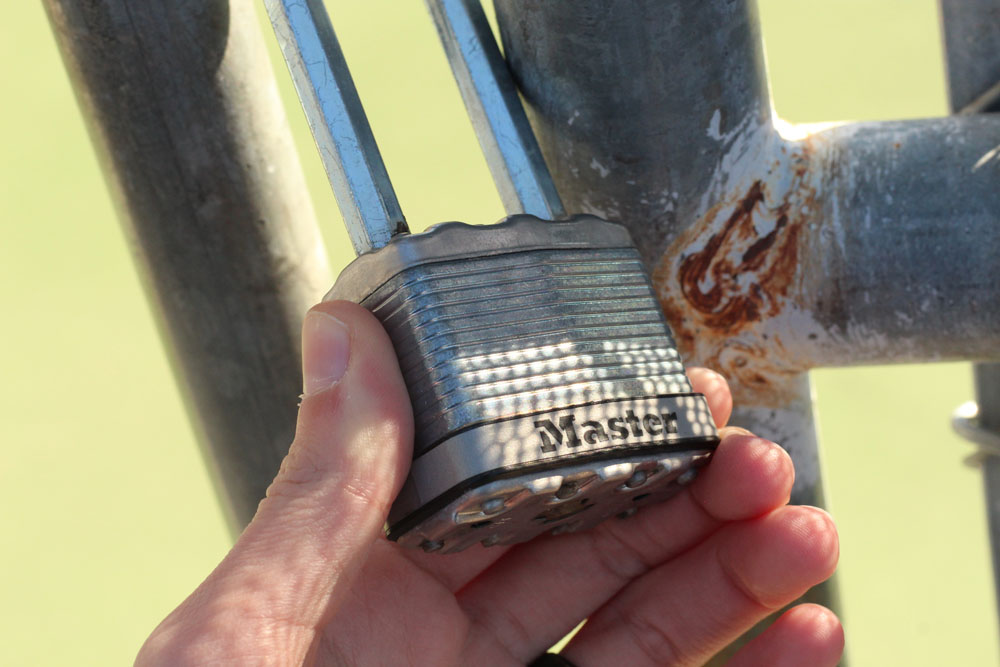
109, 518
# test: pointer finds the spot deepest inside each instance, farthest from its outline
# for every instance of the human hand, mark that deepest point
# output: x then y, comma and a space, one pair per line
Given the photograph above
312, 578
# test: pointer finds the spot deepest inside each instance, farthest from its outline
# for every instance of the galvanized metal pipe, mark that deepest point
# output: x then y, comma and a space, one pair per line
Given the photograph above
773, 254
987, 421
187, 122
775, 249
654, 116
905, 251
863, 243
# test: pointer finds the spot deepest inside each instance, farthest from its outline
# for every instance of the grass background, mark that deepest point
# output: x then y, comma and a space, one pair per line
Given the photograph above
109, 518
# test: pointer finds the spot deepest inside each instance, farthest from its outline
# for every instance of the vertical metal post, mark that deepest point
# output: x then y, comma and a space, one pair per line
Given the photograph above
971, 30
987, 421
186, 120
630, 106
638, 114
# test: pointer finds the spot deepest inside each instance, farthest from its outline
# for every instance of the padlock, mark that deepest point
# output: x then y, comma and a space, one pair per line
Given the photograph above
547, 391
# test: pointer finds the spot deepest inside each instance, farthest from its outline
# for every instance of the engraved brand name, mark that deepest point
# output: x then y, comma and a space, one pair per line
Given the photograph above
563, 431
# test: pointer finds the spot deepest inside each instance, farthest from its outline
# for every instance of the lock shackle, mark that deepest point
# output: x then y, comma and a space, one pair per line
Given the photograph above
347, 146
338, 122
491, 99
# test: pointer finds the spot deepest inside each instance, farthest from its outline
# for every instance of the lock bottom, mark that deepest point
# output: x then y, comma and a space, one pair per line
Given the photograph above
572, 498
552, 472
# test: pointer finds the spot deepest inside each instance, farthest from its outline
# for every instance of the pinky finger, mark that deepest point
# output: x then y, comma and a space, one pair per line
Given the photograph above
806, 635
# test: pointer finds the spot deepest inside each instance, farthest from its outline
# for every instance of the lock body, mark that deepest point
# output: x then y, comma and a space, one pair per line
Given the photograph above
546, 387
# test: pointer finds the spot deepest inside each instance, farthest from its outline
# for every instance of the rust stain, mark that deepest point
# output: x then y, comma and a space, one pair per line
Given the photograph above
713, 280
733, 270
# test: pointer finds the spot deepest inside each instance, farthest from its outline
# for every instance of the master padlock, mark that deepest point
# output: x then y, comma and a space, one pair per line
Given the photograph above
547, 391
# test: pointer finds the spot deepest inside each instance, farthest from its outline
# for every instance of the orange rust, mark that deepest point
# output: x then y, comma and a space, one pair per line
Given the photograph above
772, 258
738, 277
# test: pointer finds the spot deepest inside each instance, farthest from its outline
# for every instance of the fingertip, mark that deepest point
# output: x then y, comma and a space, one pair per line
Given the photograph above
816, 625
807, 634
780, 556
817, 538
748, 477
371, 369
716, 390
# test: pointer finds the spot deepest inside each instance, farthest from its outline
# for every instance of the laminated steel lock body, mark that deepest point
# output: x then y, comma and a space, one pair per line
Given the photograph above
542, 377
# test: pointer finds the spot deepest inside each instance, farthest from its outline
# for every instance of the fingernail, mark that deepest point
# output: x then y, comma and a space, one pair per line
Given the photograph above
326, 347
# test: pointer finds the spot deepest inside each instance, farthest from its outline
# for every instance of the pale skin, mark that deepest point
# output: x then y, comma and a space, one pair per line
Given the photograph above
312, 580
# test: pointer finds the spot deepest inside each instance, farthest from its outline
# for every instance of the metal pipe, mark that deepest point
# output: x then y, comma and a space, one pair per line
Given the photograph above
902, 260
186, 120
490, 96
774, 249
862, 243
339, 125
629, 106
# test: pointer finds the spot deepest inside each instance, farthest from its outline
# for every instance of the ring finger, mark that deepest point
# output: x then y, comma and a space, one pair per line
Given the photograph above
685, 611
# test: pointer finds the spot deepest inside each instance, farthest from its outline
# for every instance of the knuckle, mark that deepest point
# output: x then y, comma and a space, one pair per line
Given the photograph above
615, 555
653, 641
743, 588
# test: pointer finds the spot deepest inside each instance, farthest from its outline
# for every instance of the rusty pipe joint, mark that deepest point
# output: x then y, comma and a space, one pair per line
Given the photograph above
835, 244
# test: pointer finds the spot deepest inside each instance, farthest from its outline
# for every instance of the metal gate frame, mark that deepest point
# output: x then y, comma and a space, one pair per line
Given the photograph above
775, 248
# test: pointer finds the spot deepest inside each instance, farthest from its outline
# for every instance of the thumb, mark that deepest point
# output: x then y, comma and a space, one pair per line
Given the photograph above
293, 564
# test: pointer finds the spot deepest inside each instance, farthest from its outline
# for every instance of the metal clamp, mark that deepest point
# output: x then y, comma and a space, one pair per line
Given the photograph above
965, 421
